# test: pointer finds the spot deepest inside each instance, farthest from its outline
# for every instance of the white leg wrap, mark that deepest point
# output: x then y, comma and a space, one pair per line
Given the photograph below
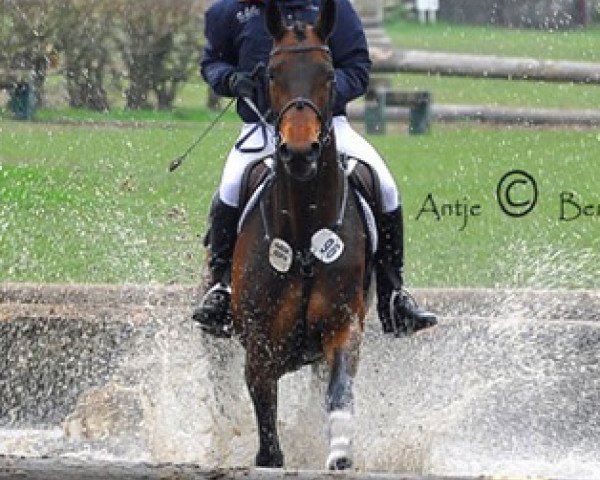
341, 434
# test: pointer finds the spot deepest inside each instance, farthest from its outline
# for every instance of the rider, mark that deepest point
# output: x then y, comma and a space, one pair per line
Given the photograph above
237, 45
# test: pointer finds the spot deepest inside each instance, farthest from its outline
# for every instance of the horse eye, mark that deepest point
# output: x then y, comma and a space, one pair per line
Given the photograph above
271, 74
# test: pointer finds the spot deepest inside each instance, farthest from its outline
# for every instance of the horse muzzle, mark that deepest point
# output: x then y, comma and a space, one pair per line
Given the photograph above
301, 163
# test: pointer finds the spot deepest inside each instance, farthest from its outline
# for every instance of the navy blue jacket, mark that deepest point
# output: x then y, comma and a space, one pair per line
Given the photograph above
237, 39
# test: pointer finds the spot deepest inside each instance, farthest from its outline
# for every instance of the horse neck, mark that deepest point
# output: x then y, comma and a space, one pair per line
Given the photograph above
302, 208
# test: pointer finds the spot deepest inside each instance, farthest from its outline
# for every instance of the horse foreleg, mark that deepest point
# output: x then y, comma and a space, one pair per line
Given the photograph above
340, 405
262, 386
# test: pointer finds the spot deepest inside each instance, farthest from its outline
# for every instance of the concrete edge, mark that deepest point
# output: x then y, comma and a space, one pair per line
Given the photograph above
66, 469
135, 301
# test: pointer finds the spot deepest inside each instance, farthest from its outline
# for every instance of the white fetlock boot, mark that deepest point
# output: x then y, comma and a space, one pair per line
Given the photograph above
341, 435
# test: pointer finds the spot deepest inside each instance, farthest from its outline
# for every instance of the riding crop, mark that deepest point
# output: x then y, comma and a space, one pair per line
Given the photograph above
176, 163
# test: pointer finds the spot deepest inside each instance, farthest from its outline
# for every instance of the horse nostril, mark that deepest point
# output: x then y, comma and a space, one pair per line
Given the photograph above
308, 153
284, 151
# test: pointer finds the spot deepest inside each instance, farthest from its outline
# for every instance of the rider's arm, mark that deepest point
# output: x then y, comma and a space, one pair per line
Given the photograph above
350, 56
219, 59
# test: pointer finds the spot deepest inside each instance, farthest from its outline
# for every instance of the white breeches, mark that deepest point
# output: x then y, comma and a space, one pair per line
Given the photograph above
347, 139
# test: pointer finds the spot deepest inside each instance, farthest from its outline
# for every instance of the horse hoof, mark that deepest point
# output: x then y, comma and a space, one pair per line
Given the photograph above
422, 324
218, 331
339, 461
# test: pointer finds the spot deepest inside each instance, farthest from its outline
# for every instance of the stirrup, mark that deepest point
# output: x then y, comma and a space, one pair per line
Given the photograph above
217, 287
213, 321
402, 322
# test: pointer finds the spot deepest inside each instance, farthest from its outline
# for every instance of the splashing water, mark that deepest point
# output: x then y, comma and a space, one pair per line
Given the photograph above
549, 267
502, 389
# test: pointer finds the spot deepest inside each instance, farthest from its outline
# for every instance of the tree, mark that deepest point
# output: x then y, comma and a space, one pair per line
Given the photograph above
85, 35
159, 45
27, 32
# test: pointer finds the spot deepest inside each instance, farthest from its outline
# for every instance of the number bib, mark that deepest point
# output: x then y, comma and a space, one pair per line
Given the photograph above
326, 246
281, 255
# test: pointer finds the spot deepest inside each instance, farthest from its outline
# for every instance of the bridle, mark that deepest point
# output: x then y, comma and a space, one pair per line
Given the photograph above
324, 117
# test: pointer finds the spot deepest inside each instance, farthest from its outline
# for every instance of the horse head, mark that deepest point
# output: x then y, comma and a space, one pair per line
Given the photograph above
301, 88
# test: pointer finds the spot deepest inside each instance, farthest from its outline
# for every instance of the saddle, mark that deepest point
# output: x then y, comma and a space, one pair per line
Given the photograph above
362, 179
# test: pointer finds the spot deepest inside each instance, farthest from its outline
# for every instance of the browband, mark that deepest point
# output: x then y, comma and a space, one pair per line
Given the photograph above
300, 49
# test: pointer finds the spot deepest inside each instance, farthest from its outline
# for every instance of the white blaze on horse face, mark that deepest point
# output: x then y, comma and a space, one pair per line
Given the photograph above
281, 255
326, 246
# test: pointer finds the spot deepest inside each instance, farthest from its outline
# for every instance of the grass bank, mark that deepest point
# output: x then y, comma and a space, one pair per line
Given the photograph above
96, 204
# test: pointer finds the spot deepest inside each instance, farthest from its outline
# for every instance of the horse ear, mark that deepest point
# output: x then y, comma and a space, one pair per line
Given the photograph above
274, 20
326, 20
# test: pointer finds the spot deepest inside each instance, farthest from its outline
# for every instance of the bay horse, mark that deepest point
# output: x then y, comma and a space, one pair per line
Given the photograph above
299, 293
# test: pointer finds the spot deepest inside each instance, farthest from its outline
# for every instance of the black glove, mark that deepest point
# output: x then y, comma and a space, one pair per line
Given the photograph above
242, 84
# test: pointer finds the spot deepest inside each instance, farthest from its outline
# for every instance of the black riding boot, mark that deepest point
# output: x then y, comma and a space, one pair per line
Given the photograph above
213, 313
398, 311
